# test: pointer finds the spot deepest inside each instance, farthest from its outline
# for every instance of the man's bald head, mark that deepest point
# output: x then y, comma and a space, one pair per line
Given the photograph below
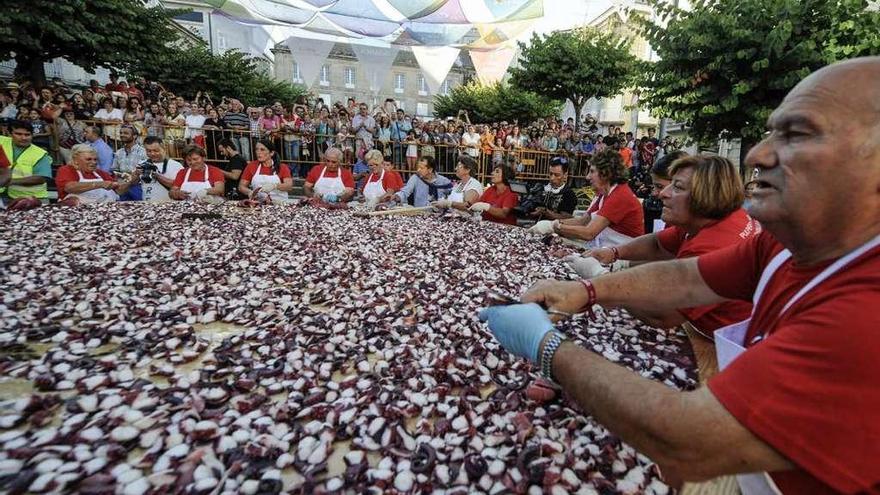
852, 85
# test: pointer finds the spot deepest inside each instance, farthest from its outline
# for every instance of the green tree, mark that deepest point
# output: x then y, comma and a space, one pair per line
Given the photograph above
494, 103
186, 71
88, 33
726, 64
575, 66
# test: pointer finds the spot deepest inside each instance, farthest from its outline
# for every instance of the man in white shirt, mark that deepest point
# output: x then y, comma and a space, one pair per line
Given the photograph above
194, 123
159, 171
364, 125
110, 117
470, 141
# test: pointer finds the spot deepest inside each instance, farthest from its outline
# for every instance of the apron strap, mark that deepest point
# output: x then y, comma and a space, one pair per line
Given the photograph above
767, 274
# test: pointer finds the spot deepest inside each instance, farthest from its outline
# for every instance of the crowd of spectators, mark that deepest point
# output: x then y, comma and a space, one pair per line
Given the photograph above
61, 118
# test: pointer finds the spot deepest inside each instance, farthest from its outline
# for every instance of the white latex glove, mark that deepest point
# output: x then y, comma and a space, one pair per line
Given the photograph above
200, 194
480, 207
370, 204
619, 265
269, 187
543, 227
442, 203
585, 267
211, 199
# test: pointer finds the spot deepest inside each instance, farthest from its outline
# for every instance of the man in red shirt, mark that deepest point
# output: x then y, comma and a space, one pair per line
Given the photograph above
796, 406
328, 181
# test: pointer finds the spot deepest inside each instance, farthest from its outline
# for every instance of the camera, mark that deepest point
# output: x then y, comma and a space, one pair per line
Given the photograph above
147, 169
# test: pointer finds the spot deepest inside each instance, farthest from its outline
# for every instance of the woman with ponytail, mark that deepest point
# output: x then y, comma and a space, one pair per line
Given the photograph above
266, 174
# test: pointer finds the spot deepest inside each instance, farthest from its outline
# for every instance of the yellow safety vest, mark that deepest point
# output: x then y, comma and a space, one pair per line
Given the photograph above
23, 167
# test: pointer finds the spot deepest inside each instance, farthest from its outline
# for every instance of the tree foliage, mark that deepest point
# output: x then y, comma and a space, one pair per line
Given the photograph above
88, 33
726, 64
575, 66
494, 103
186, 71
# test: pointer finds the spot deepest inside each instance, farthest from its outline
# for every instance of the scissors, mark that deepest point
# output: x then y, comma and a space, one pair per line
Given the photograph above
498, 299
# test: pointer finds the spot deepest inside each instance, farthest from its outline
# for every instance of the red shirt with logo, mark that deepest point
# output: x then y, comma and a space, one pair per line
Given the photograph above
733, 228
809, 381
251, 170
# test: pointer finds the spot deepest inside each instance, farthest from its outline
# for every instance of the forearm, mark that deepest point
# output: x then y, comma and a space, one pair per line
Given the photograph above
165, 181
346, 194
81, 187
286, 186
244, 187
232, 174
5, 175
308, 190
694, 439
643, 248
498, 212
219, 189
556, 215
683, 287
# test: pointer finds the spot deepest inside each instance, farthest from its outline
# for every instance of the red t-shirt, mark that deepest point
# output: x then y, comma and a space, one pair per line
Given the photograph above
397, 183
315, 174
67, 174
215, 175
251, 170
622, 208
388, 181
507, 199
730, 230
811, 388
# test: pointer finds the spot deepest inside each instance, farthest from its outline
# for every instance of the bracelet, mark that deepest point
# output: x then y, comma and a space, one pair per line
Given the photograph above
591, 297
546, 359
616, 253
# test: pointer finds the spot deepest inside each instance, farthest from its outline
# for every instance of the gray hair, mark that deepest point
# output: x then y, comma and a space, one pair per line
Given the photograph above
334, 151
374, 154
81, 149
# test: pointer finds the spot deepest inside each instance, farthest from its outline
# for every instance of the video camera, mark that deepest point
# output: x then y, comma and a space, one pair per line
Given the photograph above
147, 168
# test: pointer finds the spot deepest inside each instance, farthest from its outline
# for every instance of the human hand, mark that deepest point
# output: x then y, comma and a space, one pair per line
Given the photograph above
269, 187
519, 328
331, 198
602, 255
542, 227
585, 267
441, 203
567, 297
480, 207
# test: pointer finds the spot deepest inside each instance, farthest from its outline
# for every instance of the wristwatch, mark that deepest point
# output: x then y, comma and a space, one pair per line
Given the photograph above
550, 347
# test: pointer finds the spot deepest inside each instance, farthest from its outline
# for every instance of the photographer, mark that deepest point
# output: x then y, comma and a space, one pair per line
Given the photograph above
158, 171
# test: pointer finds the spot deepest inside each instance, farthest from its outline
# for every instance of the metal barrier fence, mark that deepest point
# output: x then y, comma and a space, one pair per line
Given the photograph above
302, 151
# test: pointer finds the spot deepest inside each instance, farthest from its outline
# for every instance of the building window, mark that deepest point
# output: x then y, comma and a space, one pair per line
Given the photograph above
399, 83
325, 75
350, 77
328, 99
222, 45
423, 85
444, 89
297, 76
401, 105
422, 109
194, 16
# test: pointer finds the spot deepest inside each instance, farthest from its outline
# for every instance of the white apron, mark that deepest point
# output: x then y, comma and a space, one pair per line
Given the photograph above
608, 237
193, 188
730, 341
373, 191
95, 195
329, 185
260, 180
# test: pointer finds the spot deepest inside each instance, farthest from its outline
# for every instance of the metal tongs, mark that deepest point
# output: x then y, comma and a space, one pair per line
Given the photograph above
496, 298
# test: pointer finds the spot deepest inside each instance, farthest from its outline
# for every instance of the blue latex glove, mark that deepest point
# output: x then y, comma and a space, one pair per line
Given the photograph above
331, 198
519, 328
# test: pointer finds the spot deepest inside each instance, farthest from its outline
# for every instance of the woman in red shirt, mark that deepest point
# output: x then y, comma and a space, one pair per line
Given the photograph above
267, 174
616, 216
497, 202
